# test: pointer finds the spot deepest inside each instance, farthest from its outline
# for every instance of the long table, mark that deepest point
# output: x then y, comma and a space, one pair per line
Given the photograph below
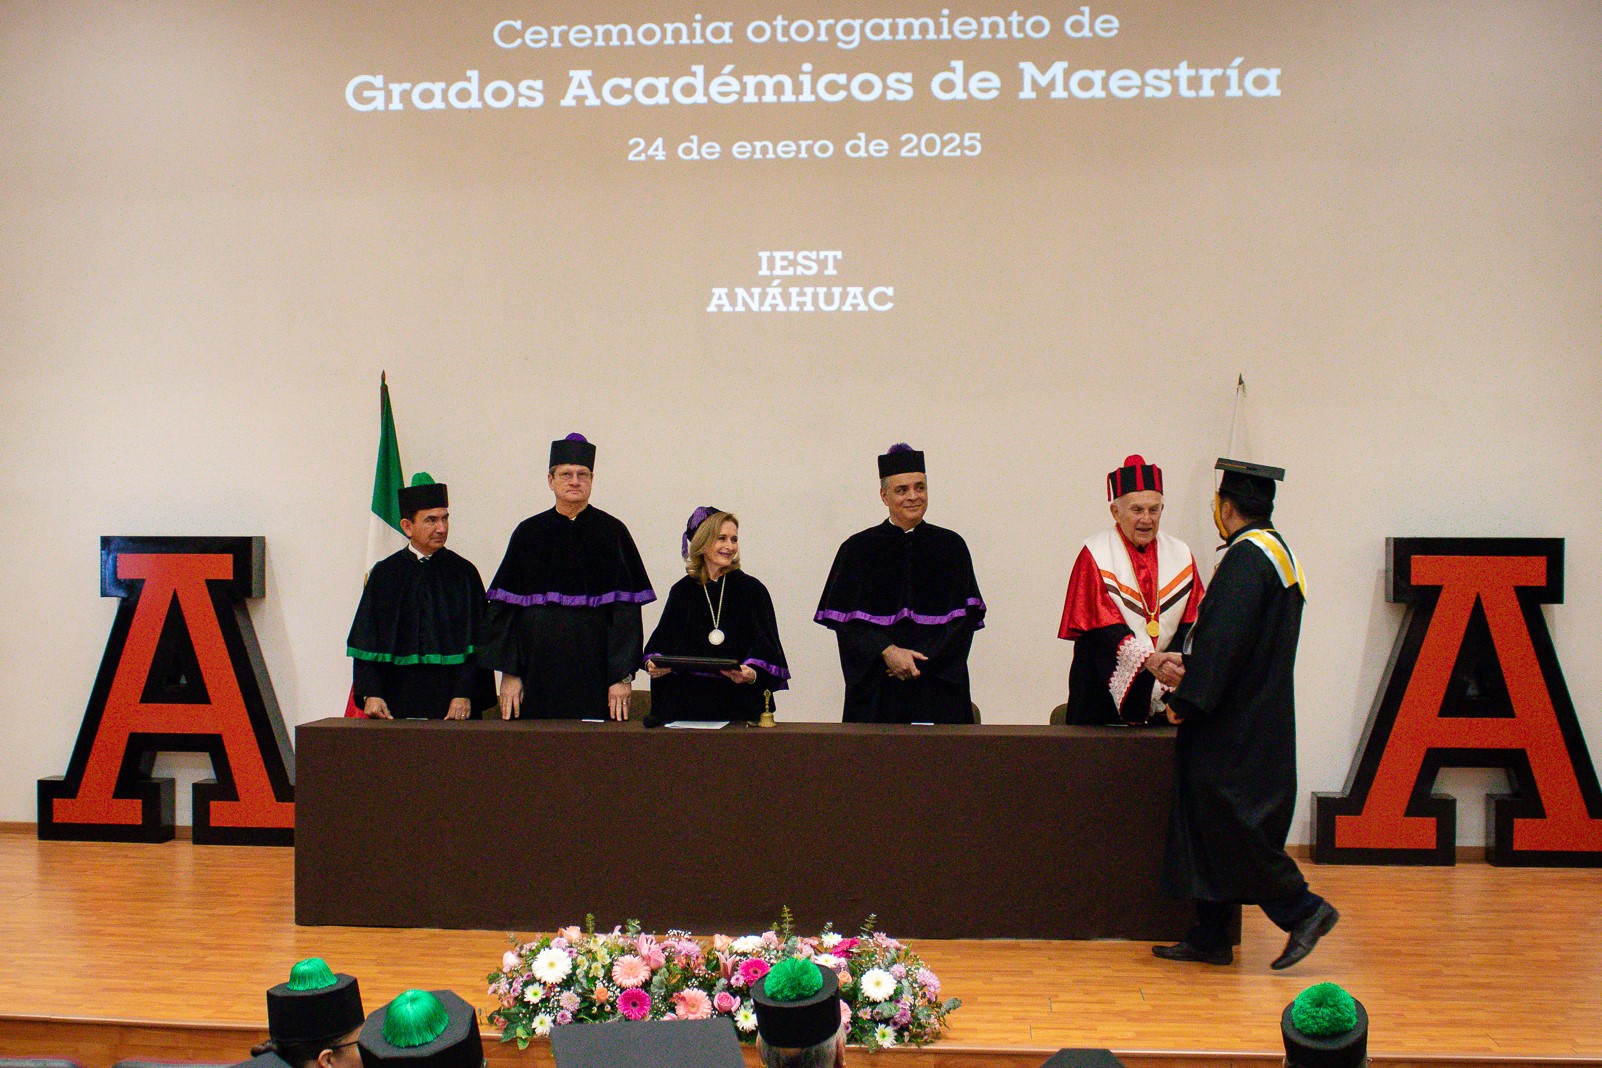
940, 831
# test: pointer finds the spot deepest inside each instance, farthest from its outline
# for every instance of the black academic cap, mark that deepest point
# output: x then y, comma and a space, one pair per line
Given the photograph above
1334, 1049
423, 1029
1251, 484
647, 1044
424, 493
1083, 1058
573, 449
901, 459
796, 1022
315, 1005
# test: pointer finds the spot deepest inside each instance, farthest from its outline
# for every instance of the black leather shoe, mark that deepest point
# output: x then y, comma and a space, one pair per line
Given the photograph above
1186, 951
1305, 935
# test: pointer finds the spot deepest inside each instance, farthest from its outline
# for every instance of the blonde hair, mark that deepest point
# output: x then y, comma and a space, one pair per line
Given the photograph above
695, 563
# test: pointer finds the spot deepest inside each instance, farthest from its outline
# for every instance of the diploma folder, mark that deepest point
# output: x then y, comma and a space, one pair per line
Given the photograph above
696, 663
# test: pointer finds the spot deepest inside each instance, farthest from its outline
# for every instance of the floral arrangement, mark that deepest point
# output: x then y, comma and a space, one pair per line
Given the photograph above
585, 976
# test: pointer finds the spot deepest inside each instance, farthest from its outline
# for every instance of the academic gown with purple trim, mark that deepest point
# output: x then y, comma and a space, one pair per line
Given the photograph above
750, 636
564, 612
915, 589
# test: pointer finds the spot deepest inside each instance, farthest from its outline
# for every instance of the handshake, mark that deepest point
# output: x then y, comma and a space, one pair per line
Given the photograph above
1168, 668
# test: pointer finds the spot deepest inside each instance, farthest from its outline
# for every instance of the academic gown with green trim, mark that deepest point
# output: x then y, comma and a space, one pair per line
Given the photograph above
416, 634
1235, 776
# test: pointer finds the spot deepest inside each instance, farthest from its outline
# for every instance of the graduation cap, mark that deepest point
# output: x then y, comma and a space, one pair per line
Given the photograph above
424, 493
314, 1006
1083, 1058
1251, 484
573, 449
647, 1044
1134, 476
797, 1004
901, 459
423, 1029
1325, 1027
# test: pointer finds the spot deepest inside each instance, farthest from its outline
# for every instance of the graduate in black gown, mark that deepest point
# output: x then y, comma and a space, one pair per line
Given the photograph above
1235, 772
414, 642
564, 624
716, 610
903, 603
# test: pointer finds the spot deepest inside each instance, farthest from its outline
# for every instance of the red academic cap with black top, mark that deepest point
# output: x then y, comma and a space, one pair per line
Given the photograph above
1133, 477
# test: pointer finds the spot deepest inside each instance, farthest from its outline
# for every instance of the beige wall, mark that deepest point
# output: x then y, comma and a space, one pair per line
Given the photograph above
208, 256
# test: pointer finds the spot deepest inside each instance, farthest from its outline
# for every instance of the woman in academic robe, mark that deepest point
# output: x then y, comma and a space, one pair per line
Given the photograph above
715, 611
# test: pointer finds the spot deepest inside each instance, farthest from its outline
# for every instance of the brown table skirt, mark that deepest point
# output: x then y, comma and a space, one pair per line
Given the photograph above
943, 832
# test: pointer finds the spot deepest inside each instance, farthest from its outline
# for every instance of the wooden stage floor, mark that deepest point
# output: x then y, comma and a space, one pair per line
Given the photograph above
165, 950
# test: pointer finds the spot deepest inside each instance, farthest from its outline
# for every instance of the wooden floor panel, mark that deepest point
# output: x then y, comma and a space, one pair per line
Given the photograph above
1462, 962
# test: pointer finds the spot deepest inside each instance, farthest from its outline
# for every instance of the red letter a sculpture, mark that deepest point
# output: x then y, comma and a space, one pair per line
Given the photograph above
182, 672
1473, 682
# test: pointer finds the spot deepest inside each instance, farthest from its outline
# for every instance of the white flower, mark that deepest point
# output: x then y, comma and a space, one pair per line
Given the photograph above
542, 1024
883, 1035
551, 966
832, 939
829, 961
876, 984
532, 993
746, 944
510, 960
745, 1018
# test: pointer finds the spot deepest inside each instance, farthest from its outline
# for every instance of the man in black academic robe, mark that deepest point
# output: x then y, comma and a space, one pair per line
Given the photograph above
417, 630
903, 603
1235, 778
564, 624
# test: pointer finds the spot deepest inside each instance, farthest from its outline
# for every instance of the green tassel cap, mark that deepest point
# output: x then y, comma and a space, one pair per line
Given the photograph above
1324, 1009
313, 973
422, 478
794, 979
415, 1018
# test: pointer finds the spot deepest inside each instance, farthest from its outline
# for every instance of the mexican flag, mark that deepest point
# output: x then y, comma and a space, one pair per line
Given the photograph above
383, 527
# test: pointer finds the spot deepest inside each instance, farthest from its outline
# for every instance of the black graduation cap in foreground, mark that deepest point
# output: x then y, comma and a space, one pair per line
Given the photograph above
1083, 1058
647, 1044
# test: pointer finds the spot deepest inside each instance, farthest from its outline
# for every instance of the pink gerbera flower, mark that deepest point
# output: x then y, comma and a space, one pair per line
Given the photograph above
753, 969
692, 1004
634, 1004
629, 972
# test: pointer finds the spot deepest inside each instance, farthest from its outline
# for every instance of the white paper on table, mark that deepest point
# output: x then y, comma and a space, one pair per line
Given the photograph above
696, 724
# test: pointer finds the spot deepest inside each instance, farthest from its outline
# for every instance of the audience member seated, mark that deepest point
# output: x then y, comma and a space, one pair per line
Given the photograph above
312, 1020
423, 1029
800, 1018
1325, 1027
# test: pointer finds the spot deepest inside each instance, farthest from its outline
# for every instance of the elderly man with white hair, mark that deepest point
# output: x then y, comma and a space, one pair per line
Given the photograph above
1131, 600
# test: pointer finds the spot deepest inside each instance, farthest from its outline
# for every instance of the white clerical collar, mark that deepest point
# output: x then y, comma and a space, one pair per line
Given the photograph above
417, 554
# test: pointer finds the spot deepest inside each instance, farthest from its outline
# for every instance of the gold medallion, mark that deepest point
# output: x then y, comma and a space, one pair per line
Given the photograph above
1153, 628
